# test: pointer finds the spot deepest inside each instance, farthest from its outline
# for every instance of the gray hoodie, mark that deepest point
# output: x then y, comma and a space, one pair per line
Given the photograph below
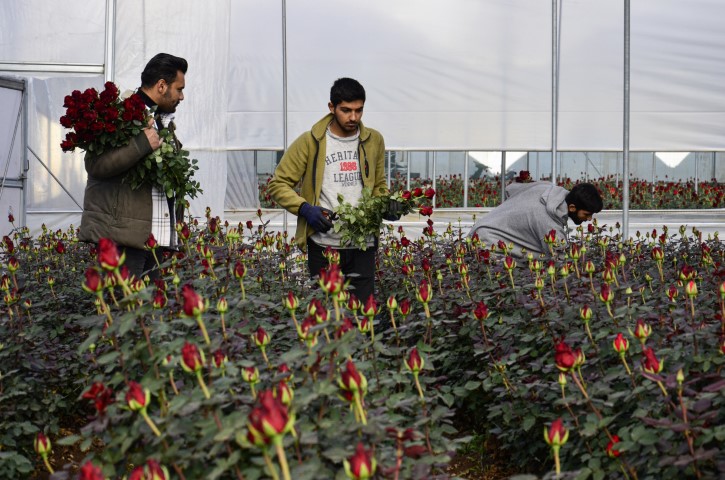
531, 210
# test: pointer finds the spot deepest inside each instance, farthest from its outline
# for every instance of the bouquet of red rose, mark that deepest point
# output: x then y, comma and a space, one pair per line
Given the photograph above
360, 222
104, 121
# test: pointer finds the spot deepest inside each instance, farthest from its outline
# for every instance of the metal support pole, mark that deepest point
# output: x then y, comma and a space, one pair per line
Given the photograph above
554, 84
465, 179
435, 169
697, 171
109, 70
406, 156
285, 220
625, 159
503, 176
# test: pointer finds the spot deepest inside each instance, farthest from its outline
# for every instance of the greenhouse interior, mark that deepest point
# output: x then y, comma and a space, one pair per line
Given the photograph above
457, 101
469, 358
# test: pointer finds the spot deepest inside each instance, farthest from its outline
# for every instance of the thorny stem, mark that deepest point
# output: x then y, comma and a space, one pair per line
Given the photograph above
358, 405
150, 423
420, 390
202, 384
270, 466
688, 433
203, 329
47, 464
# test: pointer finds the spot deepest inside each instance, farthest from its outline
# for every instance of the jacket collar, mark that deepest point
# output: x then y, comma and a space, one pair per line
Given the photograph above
320, 128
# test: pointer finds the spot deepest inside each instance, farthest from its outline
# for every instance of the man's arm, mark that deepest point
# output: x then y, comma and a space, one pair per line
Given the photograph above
288, 173
380, 187
117, 161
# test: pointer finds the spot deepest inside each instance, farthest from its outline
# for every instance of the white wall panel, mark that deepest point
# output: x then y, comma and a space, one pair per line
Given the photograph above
42, 31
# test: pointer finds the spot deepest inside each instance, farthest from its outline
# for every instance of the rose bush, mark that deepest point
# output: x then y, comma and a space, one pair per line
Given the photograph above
236, 365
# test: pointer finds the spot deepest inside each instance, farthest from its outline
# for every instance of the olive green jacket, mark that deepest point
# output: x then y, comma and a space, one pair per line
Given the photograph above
305, 160
111, 209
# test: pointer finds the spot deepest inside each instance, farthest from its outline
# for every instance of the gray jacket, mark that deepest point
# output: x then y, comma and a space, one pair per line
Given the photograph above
530, 211
111, 209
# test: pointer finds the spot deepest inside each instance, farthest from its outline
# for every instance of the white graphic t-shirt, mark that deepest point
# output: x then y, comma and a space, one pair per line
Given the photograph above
341, 176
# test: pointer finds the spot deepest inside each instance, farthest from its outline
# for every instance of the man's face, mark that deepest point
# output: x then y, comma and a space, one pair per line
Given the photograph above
347, 117
171, 94
579, 216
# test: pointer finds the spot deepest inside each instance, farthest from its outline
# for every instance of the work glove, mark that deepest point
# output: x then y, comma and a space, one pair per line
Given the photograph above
393, 213
319, 218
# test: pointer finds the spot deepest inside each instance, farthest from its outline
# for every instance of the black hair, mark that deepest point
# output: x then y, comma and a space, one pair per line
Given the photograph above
346, 90
585, 196
162, 67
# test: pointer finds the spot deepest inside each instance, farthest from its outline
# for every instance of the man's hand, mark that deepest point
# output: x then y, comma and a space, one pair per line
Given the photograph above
393, 212
318, 218
153, 137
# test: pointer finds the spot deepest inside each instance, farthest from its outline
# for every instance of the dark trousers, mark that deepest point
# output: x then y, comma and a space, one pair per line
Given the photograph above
141, 262
357, 265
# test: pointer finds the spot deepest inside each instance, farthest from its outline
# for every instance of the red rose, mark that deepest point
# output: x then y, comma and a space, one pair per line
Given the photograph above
426, 211
564, 357
405, 195
611, 452
108, 254
429, 193
137, 397
191, 358
268, 419
361, 465
481, 312
101, 395
414, 362
90, 472
193, 303
351, 379
93, 283
557, 434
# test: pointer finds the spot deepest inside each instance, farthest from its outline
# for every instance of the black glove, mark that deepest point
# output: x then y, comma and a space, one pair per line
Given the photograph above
394, 211
318, 218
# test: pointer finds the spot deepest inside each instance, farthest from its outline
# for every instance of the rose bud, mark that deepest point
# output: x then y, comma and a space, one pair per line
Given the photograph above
557, 434
250, 374
11, 218
404, 307
611, 452
429, 193
137, 397
345, 326
722, 290
361, 465
417, 192
155, 471
606, 294
589, 267
269, 418
585, 313
657, 254
580, 358
261, 337
219, 358
620, 344
353, 304
672, 293
183, 231
509, 263
286, 373
160, 299
364, 325
94, 283
550, 238
42, 445
481, 312
352, 380
650, 363
193, 303
392, 303
240, 270
414, 362
192, 359
108, 256
151, 243
562, 379
424, 293
284, 393
691, 289
331, 279
222, 305
642, 331
564, 357
90, 472
371, 308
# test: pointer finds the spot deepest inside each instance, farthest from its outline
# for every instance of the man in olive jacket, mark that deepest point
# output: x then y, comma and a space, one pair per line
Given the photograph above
111, 209
339, 155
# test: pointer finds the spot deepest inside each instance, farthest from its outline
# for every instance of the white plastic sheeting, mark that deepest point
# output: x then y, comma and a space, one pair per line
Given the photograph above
456, 75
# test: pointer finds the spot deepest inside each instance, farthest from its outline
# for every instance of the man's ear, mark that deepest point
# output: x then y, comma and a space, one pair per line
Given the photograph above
572, 208
161, 86
331, 107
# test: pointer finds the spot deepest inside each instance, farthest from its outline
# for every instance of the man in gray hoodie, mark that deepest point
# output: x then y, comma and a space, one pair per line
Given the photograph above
532, 210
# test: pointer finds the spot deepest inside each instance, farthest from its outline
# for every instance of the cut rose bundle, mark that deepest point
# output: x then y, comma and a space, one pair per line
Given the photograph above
357, 224
103, 121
